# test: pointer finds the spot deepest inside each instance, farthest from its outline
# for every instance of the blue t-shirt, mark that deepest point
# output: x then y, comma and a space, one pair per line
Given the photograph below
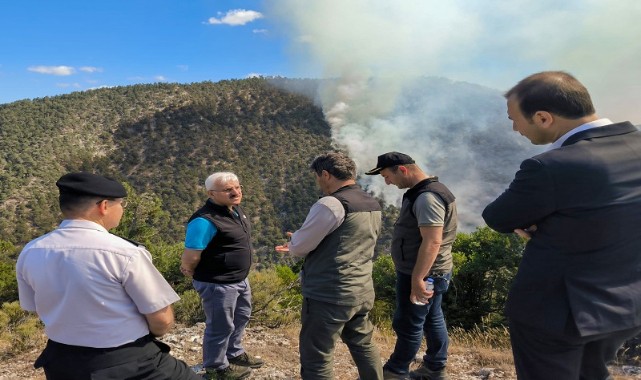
199, 233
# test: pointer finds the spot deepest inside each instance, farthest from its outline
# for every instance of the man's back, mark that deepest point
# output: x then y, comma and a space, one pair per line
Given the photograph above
583, 259
91, 288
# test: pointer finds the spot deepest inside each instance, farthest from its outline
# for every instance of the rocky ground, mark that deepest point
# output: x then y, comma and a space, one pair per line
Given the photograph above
279, 349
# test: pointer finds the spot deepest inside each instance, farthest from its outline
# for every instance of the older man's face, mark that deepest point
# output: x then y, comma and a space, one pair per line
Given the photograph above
226, 193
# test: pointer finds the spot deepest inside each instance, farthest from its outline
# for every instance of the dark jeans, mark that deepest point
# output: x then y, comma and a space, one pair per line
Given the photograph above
542, 355
411, 322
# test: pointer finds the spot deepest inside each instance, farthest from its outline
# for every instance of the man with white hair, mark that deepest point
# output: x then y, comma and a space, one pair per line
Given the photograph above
218, 255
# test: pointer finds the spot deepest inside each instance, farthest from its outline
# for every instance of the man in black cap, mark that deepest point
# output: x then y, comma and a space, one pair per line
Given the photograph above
422, 251
101, 299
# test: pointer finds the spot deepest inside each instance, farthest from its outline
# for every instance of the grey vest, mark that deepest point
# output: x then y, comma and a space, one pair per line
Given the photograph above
339, 270
407, 238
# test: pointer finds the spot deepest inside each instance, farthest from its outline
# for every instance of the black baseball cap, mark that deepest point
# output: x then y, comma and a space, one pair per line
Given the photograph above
83, 183
390, 159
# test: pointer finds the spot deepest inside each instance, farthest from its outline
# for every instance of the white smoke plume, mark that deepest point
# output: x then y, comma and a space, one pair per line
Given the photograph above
385, 59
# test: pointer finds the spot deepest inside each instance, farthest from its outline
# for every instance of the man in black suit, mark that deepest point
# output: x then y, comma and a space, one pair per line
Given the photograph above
577, 295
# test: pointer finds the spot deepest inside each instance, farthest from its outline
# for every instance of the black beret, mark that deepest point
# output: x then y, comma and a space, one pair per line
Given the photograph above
91, 184
390, 159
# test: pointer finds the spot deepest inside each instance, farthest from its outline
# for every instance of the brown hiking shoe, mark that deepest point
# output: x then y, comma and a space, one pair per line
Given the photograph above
247, 361
232, 372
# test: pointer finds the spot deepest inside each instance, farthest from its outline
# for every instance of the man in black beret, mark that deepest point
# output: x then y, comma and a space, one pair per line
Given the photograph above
422, 252
101, 299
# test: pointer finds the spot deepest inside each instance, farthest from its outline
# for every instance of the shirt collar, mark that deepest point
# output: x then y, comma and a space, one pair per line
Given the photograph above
583, 127
81, 223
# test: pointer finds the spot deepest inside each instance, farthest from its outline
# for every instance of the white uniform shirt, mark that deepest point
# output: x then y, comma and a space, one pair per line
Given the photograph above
89, 287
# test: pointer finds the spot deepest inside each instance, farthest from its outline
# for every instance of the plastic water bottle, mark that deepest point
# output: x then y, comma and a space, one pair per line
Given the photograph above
429, 285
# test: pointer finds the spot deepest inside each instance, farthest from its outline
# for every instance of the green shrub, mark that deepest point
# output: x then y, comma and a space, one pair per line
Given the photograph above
381, 314
485, 263
8, 282
19, 330
166, 258
189, 310
384, 277
276, 296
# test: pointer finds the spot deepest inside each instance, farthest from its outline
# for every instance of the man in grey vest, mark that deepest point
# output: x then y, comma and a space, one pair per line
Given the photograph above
337, 240
421, 249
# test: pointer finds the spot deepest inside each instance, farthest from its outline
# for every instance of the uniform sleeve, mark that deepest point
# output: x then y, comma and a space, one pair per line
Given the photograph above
145, 285
25, 292
429, 209
324, 217
199, 233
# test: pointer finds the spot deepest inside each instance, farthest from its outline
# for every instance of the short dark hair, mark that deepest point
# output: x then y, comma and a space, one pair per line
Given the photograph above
71, 204
337, 164
556, 92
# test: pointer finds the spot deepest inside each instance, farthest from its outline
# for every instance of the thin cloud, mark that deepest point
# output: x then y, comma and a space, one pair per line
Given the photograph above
260, 31
235, 17
53, 70
68, 85
160, 78
99, 87
183, 67
90, 69
254, 75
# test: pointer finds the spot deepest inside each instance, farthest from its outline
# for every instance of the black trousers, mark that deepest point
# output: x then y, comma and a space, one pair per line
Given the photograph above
541, 355
146, 358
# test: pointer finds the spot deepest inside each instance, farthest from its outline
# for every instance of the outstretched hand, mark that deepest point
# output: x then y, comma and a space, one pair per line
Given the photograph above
282, 248
285, 247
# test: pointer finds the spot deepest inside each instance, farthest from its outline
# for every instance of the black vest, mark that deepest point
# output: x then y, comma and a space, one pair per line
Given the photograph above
406, 238
227, 258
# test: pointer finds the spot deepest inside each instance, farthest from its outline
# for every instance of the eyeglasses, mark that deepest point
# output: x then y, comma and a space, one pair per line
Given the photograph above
123, 203
229, 189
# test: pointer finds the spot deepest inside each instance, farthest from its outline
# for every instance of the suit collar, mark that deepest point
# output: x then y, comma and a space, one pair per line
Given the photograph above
606, 130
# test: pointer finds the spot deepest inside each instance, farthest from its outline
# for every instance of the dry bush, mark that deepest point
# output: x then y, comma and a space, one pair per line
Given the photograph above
19, 330
490, 347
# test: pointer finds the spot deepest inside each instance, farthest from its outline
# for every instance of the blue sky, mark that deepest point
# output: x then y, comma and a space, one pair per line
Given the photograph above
50, 47
53, 47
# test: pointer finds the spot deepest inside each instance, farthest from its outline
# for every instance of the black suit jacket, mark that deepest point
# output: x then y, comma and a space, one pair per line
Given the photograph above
583, 263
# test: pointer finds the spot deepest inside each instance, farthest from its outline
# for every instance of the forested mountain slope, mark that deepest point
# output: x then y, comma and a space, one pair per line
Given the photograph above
163, 139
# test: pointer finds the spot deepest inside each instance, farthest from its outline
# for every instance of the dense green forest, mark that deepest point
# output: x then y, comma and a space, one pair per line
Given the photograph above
164, 140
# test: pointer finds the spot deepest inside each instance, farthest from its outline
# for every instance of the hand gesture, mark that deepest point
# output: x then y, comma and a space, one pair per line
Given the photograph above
285, 247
